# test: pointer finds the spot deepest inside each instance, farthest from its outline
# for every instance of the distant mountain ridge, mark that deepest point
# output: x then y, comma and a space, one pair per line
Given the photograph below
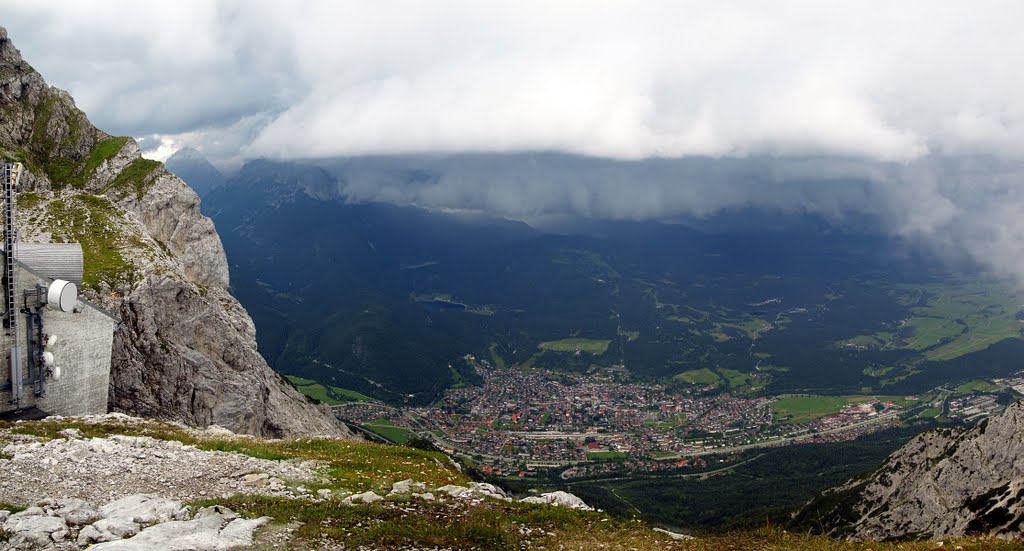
196, 170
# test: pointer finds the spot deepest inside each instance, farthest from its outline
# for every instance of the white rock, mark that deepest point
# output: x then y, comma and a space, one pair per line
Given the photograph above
33, 531
116, 528
560, 498
142, 508
489, 490
76, 511
456, 491
204, 534
365, 497
673, 535
88, 535
427, 496
406, 486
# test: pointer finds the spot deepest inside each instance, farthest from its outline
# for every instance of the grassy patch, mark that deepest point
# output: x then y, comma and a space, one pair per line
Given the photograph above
398, 435
330, 395
802, 409
499, 362
434, 525
351, 395
703, 376
959, 319
606, 456
94, 223
592, 346
977, 385
135, 177
27, 200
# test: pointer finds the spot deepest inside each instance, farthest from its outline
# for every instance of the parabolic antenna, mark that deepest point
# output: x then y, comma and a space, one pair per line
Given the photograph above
48, 359
62, 295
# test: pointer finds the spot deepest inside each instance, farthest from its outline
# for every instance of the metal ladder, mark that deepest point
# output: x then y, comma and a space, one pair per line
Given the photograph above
12, 173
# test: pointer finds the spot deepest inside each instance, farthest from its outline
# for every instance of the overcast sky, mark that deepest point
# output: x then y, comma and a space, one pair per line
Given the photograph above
779, 105
877, 80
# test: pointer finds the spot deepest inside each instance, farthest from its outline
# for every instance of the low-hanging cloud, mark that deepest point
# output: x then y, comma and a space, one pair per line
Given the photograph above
960, 208
876, 80
907, 114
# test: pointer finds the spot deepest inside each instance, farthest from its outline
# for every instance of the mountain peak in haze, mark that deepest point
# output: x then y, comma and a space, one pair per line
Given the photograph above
196, 170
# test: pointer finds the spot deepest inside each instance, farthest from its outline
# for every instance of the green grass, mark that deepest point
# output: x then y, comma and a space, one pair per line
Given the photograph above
703, 376
134, 177
977, 385
987, 312
330, 395
736, 379
395, 434
591, 346
949, 320
803, 409
489, 525
499, 362
351, 395
94, 223
299, 381
606, 456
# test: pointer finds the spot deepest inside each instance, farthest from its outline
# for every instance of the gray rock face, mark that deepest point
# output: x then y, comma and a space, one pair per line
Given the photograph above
186, 349
940, 484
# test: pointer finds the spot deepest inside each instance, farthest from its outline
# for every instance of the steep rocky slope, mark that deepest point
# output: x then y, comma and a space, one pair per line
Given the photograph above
185, 349
940, 484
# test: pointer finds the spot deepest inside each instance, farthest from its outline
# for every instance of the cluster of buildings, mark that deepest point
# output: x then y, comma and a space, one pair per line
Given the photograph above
519, 421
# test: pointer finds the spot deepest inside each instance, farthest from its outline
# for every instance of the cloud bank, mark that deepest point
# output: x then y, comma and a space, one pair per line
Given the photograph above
876, 80
908, 114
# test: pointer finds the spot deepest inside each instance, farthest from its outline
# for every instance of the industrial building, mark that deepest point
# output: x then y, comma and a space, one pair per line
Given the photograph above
56, 347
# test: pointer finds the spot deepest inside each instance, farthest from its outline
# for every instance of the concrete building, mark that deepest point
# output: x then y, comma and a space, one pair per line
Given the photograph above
82, 340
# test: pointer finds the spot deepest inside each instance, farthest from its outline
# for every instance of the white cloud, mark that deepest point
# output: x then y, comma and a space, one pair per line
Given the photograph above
878, 80
916, 107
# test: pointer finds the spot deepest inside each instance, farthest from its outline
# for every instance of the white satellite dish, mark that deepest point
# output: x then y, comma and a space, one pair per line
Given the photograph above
55, 372
62, 295
48, 359
51, 340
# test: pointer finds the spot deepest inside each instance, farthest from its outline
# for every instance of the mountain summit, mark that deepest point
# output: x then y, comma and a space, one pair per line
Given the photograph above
193, 167
185, 348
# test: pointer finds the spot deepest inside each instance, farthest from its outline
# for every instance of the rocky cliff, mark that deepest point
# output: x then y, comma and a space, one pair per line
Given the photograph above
942, 483
185, 349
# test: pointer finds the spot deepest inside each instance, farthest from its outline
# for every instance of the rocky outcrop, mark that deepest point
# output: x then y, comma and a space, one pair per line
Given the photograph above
185, 349
942, 483
136, 522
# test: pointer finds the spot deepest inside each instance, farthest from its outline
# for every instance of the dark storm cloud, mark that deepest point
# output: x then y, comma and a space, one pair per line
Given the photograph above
910, 114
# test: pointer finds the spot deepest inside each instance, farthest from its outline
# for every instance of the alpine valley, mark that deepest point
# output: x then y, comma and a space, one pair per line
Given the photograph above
625, 361
495, 347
